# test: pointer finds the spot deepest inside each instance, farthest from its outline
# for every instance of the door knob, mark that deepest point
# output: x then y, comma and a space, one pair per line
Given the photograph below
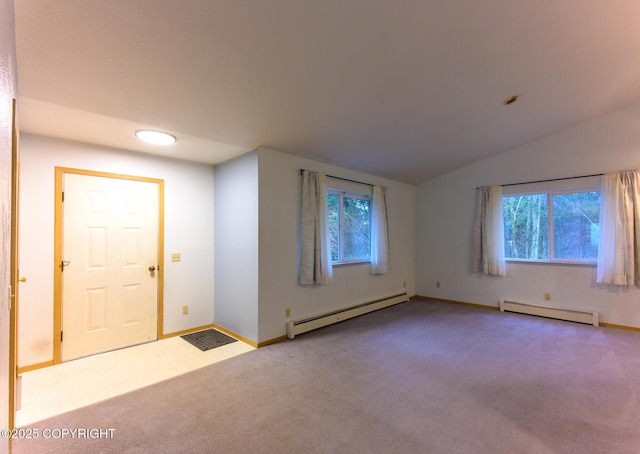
152, 268
23, 279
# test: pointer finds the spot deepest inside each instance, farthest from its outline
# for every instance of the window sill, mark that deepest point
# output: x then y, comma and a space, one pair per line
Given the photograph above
551, 262
358, 262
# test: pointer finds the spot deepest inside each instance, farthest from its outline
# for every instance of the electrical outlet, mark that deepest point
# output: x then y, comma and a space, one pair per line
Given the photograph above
438, 284
547, 296
287, 312
175, 257
185, 310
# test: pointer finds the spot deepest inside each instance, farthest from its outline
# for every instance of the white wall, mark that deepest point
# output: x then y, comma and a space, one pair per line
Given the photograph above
445, 209
236, 245
188, 229
280, 202
8, 92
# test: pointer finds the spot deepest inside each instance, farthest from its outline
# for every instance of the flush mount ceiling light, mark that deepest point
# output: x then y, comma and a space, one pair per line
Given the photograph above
510, 100
155, 137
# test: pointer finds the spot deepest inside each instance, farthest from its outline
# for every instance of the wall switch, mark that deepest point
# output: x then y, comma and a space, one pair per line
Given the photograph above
438, 284
175, 257
287, 312
547, 296
185, 310
404, 284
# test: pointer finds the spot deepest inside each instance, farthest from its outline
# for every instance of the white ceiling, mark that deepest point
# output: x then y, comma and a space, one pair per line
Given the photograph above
406, 89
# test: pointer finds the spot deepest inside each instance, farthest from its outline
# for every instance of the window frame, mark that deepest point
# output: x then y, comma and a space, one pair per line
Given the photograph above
551, 232
354, 195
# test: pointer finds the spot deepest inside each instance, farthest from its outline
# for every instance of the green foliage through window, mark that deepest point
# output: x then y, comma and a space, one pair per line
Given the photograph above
575, 225
526, 226
552, 226
349, 227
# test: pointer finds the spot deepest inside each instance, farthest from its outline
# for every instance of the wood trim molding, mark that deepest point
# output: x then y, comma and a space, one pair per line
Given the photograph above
161, 267
272, 341
236, 335
57, 265
119, 176
464, 303
613, 325
29, 368
247, 341
497, 308
227, 332
186, 331
14, 266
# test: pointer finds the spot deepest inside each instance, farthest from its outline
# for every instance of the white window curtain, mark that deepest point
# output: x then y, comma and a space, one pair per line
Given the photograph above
619, 240
380, 263
488, 233
315, 263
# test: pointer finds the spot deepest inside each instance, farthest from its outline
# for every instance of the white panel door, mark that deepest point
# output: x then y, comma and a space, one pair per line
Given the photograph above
109, 277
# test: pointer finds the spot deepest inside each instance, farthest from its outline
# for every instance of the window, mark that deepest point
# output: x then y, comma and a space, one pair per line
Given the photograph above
552, 226
349, 227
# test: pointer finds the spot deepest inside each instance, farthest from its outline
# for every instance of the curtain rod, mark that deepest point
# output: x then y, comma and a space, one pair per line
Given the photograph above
343, 179
552, 179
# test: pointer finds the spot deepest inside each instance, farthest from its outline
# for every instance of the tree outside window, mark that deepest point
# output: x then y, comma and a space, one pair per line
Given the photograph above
552, 226
349, 227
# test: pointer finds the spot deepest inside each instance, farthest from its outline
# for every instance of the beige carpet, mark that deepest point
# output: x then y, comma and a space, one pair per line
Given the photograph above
420, 377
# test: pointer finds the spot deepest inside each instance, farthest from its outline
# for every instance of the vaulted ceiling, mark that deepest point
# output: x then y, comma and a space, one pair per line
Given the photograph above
406, 89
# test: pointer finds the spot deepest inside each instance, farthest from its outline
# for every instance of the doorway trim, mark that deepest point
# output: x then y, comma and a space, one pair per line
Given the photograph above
58, 249
14, 388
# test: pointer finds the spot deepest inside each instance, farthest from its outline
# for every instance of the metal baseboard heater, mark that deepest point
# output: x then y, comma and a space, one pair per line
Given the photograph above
318, 321
587, 316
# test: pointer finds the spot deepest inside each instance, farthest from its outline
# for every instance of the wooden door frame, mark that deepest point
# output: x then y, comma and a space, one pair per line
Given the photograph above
58, 249
13, 268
